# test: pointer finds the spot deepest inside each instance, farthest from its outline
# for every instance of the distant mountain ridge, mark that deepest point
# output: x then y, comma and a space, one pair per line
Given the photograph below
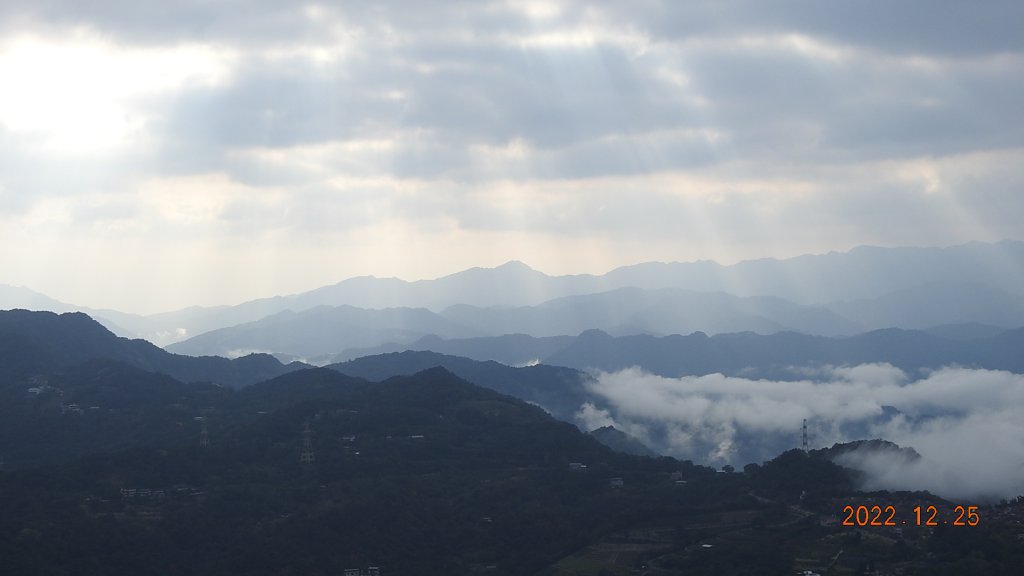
320, 331
654, 311
866, 287
740, 354
324, 331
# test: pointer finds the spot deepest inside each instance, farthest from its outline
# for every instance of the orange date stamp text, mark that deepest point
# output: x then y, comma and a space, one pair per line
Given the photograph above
921, 516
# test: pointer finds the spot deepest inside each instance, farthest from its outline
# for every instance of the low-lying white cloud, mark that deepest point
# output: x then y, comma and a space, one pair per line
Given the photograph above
968, 425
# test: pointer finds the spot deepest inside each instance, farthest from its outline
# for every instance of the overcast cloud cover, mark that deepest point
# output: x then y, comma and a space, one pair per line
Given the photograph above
159, 154
967, 425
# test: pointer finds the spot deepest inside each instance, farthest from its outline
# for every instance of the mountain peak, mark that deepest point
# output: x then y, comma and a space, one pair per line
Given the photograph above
515, 265
510, 267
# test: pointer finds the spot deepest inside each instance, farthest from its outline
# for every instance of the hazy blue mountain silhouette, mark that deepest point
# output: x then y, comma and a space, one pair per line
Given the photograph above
18, 297
774, 356
869, 286
661, 311
746, 354
508, 349
861, 273
930, 305
322, 331
965, 331
329, 330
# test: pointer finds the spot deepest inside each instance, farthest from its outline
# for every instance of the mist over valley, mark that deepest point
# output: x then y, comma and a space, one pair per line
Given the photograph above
497, 288
711, 377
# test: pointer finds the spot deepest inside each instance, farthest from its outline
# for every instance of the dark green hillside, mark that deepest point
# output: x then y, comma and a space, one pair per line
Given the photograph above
559, 390
42, 343
311, 384
411, 421
621, 442
98, 406
509, 349
423, 474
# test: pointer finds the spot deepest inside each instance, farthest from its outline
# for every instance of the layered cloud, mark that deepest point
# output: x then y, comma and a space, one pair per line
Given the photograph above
966, 424
601, 133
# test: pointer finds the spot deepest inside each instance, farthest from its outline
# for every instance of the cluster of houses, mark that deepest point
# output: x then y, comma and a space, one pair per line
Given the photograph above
370, 571
71, 409
617, 482
142, 493
179, 490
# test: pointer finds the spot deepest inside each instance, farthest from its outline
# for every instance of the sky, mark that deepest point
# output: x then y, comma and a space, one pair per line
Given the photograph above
155, 155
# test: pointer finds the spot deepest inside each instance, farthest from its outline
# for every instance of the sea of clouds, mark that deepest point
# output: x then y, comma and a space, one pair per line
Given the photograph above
967, 424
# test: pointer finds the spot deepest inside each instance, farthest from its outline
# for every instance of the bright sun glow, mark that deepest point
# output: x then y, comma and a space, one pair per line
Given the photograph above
85, 95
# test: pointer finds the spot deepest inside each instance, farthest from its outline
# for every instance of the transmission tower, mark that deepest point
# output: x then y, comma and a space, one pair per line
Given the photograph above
306, 457
204, 436
804, 444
